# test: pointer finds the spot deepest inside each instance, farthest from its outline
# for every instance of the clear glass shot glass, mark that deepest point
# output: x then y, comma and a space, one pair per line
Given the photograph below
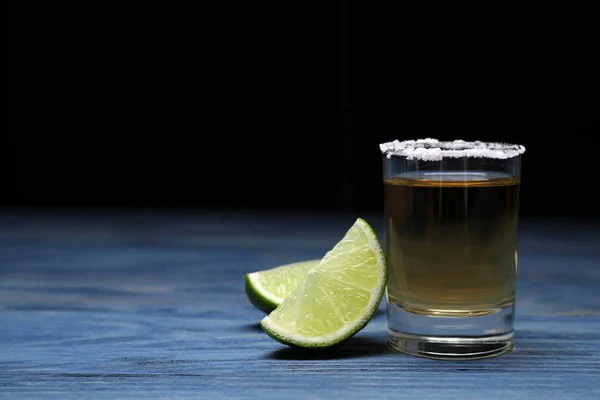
451, 236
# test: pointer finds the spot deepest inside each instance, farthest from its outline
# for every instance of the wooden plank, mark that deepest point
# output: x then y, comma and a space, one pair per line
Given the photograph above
151, 305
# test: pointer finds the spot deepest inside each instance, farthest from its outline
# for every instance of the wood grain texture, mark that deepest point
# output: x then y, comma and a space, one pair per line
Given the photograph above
151, 306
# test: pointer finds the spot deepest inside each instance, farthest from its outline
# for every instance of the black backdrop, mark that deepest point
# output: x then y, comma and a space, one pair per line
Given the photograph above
262, 106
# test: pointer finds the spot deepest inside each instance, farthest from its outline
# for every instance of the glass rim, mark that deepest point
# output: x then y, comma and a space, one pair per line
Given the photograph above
430, 149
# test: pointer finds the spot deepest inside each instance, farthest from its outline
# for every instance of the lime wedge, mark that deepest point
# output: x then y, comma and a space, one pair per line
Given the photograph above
338, 297
267, 289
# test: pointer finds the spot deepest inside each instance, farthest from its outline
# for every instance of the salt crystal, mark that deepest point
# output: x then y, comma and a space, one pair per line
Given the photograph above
434, 150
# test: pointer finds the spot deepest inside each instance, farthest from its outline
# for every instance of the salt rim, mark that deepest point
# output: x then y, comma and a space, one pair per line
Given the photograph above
434, 150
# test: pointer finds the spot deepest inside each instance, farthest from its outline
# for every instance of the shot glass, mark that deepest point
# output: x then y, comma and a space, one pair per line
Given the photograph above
451, 238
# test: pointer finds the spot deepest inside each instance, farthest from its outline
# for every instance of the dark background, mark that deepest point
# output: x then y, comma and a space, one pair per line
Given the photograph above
283, 106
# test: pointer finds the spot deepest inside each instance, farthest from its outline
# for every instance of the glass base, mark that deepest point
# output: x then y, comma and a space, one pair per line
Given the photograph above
464, 337
445, 348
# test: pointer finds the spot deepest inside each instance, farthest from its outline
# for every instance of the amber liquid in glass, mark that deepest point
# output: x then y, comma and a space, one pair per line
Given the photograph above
451, 242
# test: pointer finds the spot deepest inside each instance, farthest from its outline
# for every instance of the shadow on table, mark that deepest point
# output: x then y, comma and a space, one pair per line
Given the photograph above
353, 347
253, 328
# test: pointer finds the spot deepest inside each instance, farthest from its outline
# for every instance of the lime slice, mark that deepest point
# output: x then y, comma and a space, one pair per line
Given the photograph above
337, 298
267, 289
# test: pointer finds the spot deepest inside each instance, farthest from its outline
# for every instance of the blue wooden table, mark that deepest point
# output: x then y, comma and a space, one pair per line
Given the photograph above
112, 305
